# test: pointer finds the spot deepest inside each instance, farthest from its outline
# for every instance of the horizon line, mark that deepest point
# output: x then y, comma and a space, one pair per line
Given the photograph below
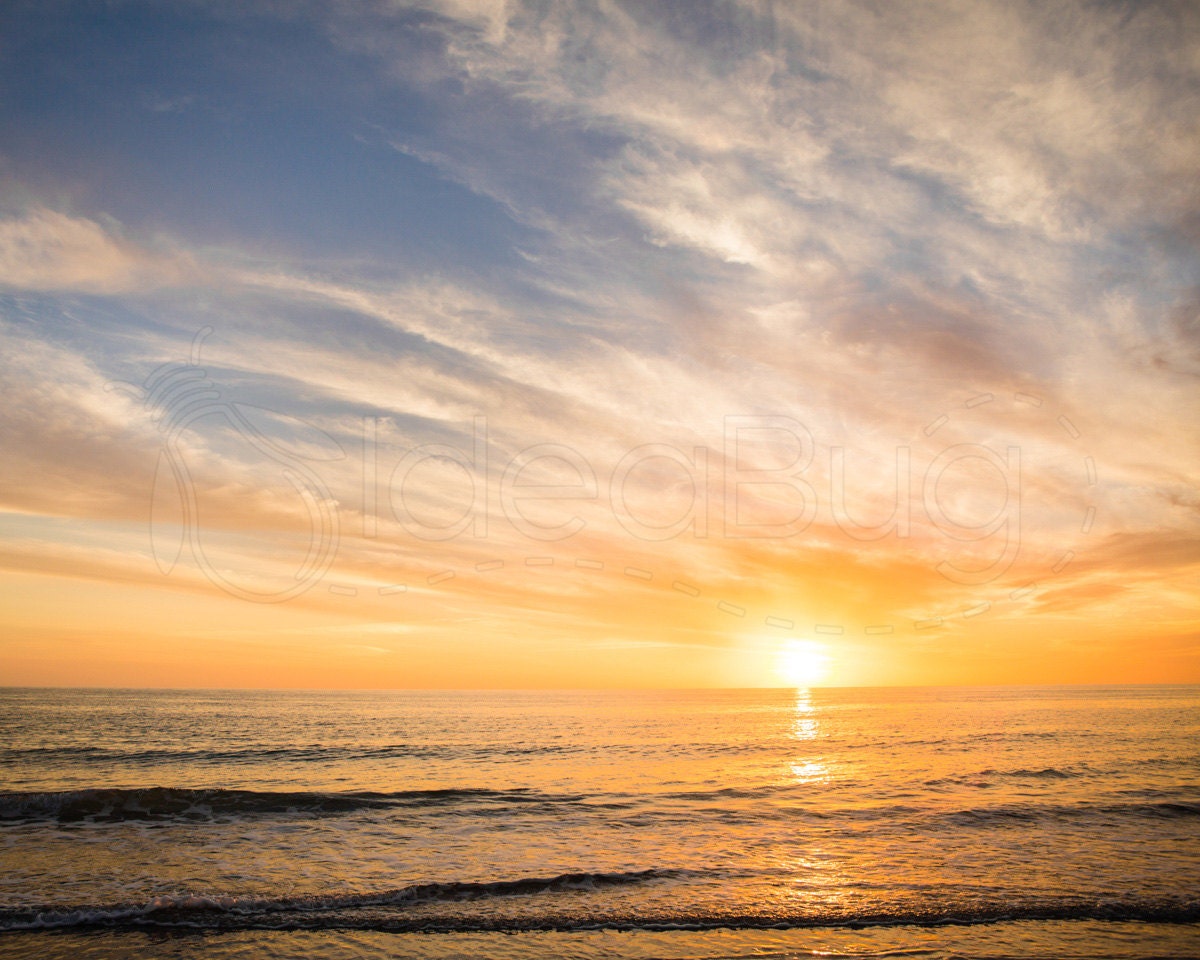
605, 689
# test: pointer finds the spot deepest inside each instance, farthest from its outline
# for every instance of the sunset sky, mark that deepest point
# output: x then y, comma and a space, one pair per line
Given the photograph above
457, 343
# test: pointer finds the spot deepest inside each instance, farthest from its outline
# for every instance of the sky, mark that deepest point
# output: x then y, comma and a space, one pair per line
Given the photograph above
456, 343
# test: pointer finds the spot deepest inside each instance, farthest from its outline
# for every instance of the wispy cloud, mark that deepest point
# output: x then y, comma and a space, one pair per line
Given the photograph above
47, 250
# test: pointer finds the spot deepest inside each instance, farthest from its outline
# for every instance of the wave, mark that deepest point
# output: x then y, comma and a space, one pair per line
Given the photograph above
249, 912
462, 907
1160, 805
115, 805
175, 803
983, 778
1026, 812
297, 754
958, 741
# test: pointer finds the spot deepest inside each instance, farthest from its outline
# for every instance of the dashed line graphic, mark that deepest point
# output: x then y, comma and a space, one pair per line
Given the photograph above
936, 425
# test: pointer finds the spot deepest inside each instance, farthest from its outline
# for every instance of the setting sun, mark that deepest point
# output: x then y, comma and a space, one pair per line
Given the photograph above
802, 663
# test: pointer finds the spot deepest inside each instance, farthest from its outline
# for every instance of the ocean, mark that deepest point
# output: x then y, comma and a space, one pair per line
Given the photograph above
897, 822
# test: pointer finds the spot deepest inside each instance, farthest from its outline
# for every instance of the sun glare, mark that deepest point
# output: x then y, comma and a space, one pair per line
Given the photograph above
802, 663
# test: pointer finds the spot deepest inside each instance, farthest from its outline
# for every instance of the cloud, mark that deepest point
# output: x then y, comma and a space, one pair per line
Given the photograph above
46, 250
73, 445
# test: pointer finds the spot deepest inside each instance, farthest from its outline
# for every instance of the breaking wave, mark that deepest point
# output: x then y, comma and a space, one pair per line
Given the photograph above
174, 803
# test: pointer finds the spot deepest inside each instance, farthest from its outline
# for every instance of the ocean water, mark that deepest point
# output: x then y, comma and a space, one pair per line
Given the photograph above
984, 822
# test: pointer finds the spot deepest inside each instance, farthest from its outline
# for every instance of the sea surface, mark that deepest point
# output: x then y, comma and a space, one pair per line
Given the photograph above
982, 822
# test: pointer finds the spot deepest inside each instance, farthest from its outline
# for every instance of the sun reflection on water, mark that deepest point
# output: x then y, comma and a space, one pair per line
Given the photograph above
805, 726
807, 729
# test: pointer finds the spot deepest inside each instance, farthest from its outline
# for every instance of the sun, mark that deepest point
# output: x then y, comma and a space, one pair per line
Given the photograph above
802, 663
